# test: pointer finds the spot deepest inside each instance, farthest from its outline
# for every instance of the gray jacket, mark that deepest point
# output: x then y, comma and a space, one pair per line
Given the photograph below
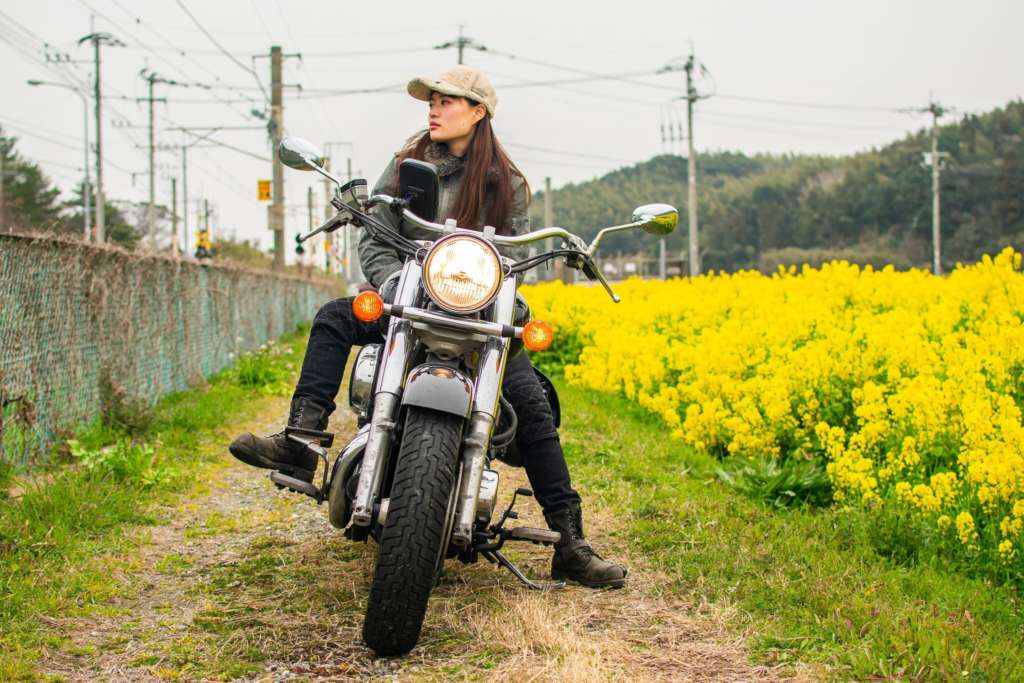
378, 261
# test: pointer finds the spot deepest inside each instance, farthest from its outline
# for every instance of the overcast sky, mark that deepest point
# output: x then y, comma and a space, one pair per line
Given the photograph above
839, 71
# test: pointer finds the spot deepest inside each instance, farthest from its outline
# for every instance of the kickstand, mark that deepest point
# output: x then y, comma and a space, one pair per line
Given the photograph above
496, 557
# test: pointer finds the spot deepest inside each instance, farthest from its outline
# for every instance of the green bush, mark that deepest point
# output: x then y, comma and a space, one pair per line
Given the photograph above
780, 483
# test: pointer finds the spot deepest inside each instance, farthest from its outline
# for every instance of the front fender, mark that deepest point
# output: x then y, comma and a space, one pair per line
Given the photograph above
438, 387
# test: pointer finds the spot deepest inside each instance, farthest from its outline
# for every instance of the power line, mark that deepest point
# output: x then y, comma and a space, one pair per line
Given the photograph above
794, 122
33, 134
811, 105
232, 147
222, 49
567, 164
567, 153
138, 20
624, 78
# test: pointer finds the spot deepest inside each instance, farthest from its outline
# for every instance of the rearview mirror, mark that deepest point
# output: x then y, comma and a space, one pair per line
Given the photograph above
657, 219
300, 154
419, 185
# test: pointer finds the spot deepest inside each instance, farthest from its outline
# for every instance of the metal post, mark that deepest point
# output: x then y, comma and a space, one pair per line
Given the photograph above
555, 272
150, 214
276, 131
174, 215
101, 219
691, 170
87, 190
96, 39
184, 199
3, 179
353, 271
327, 241
309, 205
936, 161
662, 259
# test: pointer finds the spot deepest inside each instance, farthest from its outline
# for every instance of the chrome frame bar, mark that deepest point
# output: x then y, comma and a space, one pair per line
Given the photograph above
420, 315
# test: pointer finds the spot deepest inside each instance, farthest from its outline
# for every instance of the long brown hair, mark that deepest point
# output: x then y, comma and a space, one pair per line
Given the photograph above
483, 154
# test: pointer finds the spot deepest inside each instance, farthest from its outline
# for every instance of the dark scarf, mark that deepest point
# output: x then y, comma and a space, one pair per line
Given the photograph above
448, 164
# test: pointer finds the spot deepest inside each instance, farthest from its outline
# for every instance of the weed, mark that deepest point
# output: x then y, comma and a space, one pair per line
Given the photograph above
780, 483
120, 411
266, 369
125, 462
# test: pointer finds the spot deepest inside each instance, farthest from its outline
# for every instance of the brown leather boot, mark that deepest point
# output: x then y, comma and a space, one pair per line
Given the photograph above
277, 452
574, 559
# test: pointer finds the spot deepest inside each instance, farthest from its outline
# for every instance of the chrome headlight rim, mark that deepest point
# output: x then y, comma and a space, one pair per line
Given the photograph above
429, 286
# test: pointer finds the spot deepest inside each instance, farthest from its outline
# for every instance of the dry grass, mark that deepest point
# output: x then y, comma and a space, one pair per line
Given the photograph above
246, 583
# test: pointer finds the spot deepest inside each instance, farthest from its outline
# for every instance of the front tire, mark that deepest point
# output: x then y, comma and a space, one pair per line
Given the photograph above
411, 552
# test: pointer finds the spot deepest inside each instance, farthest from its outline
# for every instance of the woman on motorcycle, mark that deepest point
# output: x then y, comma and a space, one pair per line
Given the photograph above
479, 186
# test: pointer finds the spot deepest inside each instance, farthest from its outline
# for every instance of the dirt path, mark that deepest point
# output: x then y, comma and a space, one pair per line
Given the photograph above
248, 583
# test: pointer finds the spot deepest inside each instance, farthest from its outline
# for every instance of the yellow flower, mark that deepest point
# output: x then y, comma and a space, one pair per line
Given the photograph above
903, 386
965, 528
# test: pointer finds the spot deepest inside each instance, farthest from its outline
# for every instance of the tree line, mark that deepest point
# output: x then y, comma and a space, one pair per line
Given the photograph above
874, 207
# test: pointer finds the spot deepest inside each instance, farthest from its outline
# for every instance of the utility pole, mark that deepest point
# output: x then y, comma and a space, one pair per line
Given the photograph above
691, 171
461, 43
309, 206
174, 215
555, 274
184, 198
152, 78
935, 159
276, 131
560, 271
348, 255
3, 178
98, 39
328, 209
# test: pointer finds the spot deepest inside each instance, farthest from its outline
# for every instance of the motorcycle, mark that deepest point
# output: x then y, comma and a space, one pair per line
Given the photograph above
431, 419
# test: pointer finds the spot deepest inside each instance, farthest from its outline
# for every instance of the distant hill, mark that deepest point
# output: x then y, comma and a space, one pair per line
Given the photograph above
873, 207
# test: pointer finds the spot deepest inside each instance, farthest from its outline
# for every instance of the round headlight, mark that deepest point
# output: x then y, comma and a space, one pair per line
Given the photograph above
462, 274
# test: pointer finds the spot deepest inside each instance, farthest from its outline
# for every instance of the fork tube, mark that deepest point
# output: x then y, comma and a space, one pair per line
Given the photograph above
490, 373
386, 401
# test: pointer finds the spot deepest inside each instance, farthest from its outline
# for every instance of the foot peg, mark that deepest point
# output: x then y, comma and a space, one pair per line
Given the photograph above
308, 437
533, 535
316, 442
283, 481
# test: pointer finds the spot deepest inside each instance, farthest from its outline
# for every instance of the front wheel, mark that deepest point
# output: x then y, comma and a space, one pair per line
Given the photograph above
411, 542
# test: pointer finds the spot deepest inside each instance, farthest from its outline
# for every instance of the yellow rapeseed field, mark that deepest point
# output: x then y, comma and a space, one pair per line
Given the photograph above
906, 386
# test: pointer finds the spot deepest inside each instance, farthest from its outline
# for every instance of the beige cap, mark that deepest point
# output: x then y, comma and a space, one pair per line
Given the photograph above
460, 81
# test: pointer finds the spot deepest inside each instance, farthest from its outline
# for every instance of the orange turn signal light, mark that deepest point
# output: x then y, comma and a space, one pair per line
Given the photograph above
368, 306
537, 335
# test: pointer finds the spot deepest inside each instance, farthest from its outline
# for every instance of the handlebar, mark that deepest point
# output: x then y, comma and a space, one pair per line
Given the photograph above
583, 252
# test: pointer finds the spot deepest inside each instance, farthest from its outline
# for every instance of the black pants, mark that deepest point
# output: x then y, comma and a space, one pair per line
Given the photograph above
335, 331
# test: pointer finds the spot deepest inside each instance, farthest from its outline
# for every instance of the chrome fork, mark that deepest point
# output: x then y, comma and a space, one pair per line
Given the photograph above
387, 399
490, 373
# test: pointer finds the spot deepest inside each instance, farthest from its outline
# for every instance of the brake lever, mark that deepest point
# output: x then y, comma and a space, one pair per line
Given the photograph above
591, 264
580, 261
333, 224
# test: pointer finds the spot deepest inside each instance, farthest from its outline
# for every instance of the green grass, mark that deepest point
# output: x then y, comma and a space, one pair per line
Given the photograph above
58, 537
817, 586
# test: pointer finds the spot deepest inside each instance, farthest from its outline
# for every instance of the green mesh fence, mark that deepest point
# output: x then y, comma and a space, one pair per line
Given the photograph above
74, 317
